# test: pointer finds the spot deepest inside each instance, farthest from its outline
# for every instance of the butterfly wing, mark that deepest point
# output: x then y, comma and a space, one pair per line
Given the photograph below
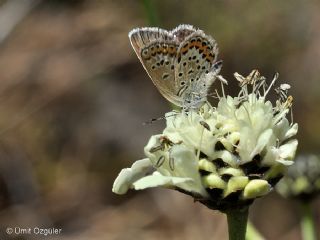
182, 31
157, 50
176, 61
195, 58
141, 37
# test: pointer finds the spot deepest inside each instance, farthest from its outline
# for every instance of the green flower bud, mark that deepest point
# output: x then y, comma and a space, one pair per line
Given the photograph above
213, 181
302, 180
235, 184
256, 188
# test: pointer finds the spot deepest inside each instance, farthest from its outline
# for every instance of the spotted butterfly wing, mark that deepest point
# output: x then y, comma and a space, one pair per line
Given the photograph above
182, 31
157, 49
196, 67
176, 61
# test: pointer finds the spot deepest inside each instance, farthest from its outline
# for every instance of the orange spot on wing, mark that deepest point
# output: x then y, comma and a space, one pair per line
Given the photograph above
172, 49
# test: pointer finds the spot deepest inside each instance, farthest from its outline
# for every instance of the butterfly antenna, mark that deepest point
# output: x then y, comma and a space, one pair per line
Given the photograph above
152, 120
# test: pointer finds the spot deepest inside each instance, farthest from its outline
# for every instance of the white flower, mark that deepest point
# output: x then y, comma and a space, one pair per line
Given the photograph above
224, 156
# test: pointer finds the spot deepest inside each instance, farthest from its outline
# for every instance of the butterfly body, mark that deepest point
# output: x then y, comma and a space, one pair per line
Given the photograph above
181, 63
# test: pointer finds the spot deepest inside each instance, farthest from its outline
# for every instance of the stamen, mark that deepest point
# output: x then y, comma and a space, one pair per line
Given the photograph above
160, 161
205, 125
171, 163
275, 77
157, 148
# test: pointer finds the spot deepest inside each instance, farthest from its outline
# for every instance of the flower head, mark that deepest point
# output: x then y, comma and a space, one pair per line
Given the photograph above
302, 180
224, 156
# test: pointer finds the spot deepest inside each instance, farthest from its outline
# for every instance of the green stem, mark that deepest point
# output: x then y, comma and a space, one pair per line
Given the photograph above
253, 233
237, 223
307, 222
151, 12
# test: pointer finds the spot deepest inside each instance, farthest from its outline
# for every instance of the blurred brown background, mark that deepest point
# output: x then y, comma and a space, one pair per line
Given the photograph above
73, 97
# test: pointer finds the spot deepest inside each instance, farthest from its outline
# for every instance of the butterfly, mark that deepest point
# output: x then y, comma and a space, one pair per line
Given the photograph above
182, 63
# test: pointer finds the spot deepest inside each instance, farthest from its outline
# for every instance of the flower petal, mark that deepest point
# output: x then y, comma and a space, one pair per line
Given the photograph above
129, 175
186, 166
288, 150
158, 180
263, 140
180, 161
283, 130
292, 131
